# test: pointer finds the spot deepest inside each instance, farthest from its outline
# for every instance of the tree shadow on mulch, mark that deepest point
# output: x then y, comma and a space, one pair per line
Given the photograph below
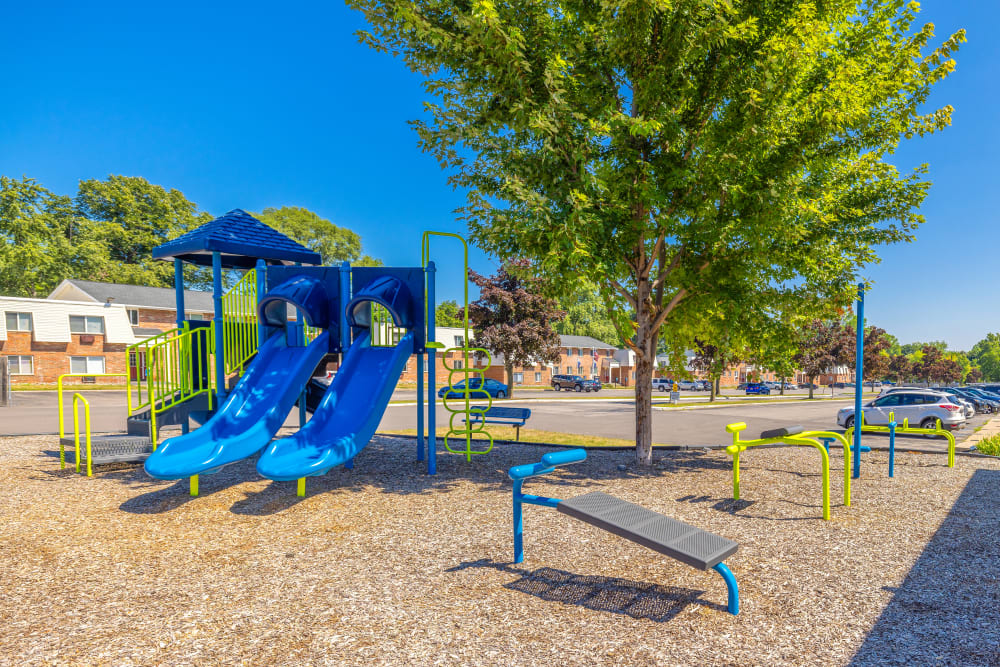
178, 493
636, 599
947, 610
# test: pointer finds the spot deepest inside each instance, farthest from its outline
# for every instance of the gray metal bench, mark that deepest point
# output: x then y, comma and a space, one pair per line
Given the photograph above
515, 417
670, 537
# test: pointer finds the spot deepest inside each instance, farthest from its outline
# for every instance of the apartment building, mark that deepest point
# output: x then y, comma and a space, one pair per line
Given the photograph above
45, 338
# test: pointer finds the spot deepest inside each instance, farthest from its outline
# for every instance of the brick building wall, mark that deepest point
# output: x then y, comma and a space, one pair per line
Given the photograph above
50, 360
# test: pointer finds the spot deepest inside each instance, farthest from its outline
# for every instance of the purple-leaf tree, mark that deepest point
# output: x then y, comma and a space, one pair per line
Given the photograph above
513, 318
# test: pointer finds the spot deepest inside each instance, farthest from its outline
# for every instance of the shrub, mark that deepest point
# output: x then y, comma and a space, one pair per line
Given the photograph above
990, 445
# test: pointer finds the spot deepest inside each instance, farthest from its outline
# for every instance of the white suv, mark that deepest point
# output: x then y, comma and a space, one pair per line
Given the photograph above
921, 407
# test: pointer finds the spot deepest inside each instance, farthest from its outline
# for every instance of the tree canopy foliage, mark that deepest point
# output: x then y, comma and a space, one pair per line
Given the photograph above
686, 153
587, 315
335, 244
107, 232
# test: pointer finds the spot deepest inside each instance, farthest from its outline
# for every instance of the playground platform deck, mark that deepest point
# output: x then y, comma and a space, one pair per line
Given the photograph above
385, 565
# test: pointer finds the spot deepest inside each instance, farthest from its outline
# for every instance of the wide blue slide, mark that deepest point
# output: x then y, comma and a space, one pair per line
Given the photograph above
257, 407
250, 415
346, 418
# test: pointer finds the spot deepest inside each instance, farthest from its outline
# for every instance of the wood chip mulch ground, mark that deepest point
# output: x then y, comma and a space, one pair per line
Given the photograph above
385, 565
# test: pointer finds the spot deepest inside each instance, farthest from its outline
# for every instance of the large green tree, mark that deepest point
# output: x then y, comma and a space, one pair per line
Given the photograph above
682, 153
36, 238
127, 217
335, 244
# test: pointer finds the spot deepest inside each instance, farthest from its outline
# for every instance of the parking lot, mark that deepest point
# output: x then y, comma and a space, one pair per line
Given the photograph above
609, 414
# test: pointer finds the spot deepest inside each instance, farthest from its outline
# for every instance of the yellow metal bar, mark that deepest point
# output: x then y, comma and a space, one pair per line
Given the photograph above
59, 389
301, 490
77, 398
194, 485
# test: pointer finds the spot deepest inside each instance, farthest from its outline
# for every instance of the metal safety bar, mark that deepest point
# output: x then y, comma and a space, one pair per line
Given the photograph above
59, 390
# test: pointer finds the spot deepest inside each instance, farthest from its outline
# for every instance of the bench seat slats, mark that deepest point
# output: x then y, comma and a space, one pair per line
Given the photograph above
693, 546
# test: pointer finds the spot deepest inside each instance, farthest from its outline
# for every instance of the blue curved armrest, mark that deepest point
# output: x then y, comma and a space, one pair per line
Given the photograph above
547, 464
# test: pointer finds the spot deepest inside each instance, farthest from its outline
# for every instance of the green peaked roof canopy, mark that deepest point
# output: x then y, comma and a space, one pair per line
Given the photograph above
241, 239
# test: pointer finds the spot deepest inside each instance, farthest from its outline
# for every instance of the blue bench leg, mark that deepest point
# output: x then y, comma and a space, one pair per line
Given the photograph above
734, 591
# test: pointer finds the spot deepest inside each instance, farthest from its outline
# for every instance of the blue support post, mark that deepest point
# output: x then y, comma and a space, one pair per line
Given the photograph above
859, 368
261, 286
179, 289
734, 590
420, 406
431, 383
220, 362
892, 446
179, 292
300, 339
518, 522
345, 297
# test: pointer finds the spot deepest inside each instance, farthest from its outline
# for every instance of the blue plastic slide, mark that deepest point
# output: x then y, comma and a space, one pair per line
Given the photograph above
250, 415
346, 418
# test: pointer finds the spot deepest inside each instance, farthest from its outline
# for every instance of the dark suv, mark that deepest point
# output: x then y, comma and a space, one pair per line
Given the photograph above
574, 382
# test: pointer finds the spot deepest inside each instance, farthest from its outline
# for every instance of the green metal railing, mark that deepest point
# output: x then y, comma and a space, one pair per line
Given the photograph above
140, 352
239, 323
78, 398
384, 331
178, 369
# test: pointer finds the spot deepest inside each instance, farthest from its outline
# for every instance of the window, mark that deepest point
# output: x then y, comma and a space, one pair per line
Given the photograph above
20, 365
576, 351
457, 364
538, 377
887, 401
18, 321
86, 364
459, 341
569, 370
86, 324
194, 316
518, 378
133, 316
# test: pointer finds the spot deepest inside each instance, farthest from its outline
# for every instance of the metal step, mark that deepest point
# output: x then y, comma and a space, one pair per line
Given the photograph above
118, 448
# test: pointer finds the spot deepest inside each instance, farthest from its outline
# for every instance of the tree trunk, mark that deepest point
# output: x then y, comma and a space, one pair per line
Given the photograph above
508, 368
811, 378
711, 388
643, 410
718, 385
782, 381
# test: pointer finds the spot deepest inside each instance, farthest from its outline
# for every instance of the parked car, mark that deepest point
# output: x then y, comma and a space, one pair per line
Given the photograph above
741, 386
662, 384
574, 383
837, 385
704, 385
478, 388
981, 402
688, 385
757, 388
808, 385
922, 407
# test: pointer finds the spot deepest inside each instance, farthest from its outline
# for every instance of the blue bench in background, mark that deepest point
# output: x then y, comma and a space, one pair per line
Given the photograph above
515, 417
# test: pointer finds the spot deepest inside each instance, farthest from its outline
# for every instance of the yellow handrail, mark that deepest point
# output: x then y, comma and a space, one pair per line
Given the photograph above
59, 386
77, 397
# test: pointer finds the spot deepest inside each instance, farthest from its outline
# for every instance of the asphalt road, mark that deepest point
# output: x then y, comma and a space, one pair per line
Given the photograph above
611, 416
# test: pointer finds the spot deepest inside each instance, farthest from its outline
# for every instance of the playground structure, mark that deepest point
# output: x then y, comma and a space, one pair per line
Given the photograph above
793, 435
680, 541
241, 374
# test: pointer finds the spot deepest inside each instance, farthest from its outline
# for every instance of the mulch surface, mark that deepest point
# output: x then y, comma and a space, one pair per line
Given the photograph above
385, 565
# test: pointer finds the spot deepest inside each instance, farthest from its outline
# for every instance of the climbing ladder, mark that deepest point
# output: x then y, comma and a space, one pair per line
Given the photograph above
462, 407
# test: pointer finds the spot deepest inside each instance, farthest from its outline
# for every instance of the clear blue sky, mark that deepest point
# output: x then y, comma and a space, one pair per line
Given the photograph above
252, 104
